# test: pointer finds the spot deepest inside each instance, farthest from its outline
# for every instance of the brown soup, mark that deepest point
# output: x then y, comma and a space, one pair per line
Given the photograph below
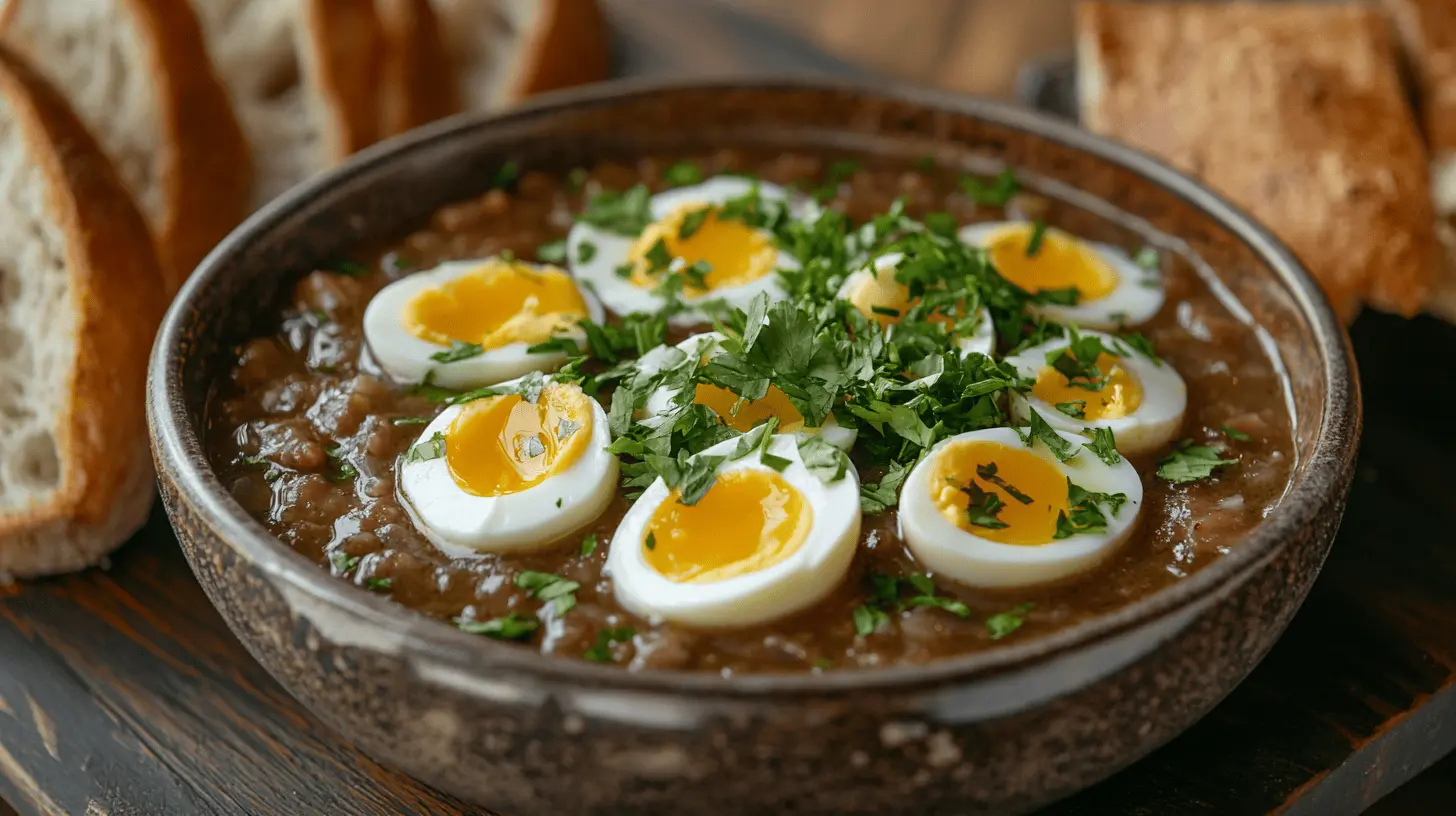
304, 434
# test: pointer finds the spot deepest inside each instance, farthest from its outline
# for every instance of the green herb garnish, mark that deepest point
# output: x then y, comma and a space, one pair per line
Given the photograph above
459, 350
625, 213
1104, 445
432, 448
682, 174
1076, 409
1188, 462
351, 269
988, 473
506, 175
342, 562
552, 252
378, 584
1040, 430
544, 586
588, 545
1004, 623
1235, 434
995, 194
601, 652
510, 627
1084, 511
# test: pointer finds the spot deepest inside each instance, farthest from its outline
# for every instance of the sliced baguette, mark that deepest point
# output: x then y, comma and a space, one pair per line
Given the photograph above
1294, 112
137, 73
1427, 31
303, 76
498, 52
81, 292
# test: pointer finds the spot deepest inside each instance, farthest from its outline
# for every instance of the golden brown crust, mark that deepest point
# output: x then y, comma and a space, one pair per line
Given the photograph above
347, 40
1295, 113
568, 47
1427, 29
116, 291
207, 173
420, 83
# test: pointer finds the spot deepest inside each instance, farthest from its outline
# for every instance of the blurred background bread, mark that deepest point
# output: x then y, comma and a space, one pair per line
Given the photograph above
80, 298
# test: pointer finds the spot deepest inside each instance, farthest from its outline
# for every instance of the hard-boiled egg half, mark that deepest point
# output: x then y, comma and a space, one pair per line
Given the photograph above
768, 539
1113, 290
687, 229
737, 413
987, 510
472, 323
1139, 398
520, 469
877, 295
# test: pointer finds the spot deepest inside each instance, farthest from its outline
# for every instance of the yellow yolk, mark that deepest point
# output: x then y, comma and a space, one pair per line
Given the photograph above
748, 521
1062, 262
737, 253
503, 445
773, 404
495, 305
1030, 524
885, 293
1118, 397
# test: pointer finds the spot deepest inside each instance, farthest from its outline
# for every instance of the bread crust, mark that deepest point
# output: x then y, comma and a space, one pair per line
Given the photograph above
1427, 28
569, 46
345, 40
116, 288
1296, 113
206, 171
419, 83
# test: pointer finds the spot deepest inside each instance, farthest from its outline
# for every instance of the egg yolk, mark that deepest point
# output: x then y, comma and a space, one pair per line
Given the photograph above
495, 305
749, 413
503, 445
1014, 476
884, 299
749, 521
736, 252
1061, 262
1120, 394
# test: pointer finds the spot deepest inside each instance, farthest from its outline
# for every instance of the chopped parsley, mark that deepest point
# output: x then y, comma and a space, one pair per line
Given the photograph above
410, 421
459, 350
682, 174
1188, 462
1078, 361
589, 545
995, 194
1002, 624
1139, 344
982, 507
506, 175
988, 472
511, 627
1148, 258
342, 562
255, 461
692, 222
925, 596
1235, 434
1040, 430
822, 459
1084, 511
1076, 409
877, 497
432, 448
585, 251
1104, 445
351, 269
344, 470
552, 252
543, 586
379, 584
1038, 236
601, 651
651, 541
625, 213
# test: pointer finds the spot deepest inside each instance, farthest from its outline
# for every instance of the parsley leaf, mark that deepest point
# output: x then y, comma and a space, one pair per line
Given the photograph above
1078, 361
1038, 235
506, 175
996, 194
988, 473
552, 252
1039, 429
585, 251
1004, 623
982, 507
1084, 513
544, 586
869, 619
601, 652
822, 459
692, 222
877, 497
1148, 258
342, 562
1104, 444
1235, 434
344, 469
1140, 344
458, 351
682, 174
432, 448
511, 627
1076, 409
1188, 462
351, 269
589, 545
410, 421
378, 584
625, 213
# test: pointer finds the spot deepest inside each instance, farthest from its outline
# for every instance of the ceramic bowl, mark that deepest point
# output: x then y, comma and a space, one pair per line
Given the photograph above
998, 731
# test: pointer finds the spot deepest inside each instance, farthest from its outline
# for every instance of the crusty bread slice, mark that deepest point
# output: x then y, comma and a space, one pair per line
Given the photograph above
1295, 112
1427, 30
499, 52
303, 76
137, 73
419, 83
81, 293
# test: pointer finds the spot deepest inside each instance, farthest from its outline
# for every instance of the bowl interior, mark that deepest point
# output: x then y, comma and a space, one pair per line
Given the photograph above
394, 187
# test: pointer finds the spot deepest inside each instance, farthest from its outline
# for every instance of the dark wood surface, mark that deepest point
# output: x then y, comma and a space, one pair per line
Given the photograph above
122, 692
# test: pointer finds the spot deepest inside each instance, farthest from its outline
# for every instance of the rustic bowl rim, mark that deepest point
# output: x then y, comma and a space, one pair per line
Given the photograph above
178, 447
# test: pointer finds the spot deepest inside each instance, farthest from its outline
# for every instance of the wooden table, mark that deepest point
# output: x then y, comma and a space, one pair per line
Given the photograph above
122, 692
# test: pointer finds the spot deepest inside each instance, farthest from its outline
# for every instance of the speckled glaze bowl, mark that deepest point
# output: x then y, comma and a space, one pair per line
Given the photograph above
1000, 731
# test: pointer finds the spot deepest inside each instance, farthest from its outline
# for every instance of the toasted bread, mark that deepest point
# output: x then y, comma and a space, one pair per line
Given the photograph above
81, 293
137, 73
303, 76
1295, 112
498, 52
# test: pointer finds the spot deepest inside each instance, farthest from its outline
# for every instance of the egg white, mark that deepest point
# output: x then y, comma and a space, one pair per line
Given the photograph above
962, 556
611, 250
1157, 420
981, 341
462, 524
796, 583
709, 344
406, 358
1137, 297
